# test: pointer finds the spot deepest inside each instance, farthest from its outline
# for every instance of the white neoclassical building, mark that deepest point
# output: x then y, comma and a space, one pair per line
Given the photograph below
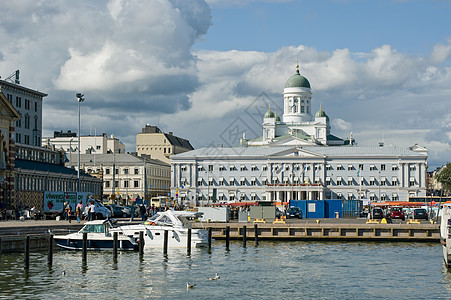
298, 158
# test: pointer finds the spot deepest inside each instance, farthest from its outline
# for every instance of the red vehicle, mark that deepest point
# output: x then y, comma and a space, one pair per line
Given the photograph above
397, 213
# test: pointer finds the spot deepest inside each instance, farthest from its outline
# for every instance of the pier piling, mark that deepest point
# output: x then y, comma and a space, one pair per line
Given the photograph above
141, 242
227, 236
115, 245
209, 237
188, 243
256, 234
165, 242
27, 252
50, 255
244, 235
85, 247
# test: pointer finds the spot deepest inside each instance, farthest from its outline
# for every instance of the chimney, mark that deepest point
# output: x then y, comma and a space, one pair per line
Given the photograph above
170, 132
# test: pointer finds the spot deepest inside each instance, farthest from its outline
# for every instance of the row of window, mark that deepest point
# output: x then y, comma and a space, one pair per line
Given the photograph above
19, 102
26, 119
164, 149
317, 167
126, 184
124, 170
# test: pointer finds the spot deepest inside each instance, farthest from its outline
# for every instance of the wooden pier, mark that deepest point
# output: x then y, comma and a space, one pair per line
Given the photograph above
320, 231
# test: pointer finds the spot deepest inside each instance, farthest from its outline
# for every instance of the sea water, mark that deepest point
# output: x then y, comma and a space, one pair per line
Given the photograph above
271, 270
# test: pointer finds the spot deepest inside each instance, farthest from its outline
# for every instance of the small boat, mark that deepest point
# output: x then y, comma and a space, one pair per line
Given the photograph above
445, 234
99, 237
176, 223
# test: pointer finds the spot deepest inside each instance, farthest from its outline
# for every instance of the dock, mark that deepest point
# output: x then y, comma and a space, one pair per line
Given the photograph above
327, 231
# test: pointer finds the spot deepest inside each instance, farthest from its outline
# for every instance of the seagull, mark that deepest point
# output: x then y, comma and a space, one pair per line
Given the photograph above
190, 286
217, 276
63, 273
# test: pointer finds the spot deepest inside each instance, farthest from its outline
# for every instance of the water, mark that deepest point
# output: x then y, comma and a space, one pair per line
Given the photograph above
273, 270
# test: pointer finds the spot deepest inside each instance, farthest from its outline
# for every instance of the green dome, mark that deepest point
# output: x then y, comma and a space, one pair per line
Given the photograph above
277, 117
297, 80
321, 114
269, 114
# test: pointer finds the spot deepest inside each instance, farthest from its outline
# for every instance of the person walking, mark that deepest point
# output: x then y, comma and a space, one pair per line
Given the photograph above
79, 211
132, 211
92, 211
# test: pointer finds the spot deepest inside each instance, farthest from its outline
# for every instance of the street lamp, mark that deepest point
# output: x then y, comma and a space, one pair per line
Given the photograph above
79, 99
114, 171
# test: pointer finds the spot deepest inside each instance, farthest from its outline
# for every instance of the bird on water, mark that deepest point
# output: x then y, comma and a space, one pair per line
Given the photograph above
190, 286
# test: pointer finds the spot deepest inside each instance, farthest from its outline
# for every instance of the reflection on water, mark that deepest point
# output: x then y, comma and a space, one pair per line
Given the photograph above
322, 270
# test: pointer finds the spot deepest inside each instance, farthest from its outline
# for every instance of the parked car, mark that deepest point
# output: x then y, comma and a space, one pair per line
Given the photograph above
420, 213
117, 211
397, 213
279, 213
377, 213
127, 209
294, 212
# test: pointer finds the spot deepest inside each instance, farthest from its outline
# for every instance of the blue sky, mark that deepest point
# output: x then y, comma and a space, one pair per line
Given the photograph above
380, 69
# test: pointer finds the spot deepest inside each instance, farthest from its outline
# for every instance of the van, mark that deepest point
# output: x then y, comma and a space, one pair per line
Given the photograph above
101, 211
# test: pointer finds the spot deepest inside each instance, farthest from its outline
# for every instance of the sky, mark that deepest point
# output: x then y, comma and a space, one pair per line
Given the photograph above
207, 70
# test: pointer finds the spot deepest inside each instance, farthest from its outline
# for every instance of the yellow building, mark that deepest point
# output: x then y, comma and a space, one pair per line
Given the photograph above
159, 145
8, 117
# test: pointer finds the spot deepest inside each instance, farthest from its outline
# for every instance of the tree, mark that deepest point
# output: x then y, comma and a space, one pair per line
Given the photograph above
444, 177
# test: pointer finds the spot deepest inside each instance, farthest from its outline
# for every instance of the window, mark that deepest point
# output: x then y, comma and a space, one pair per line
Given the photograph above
221, 197
350, 180
136, 171
382, 167
27, 122
317, 180
126, 171
361, 167
116, 184
232, 181
222, 168
221, 181
350, 196
394, 197
242, 168
372, 168
254, 168
164, 150
372, 182
412, 181
210, 168
412, 167
27, 104
242, 181
329, 168
317, 167
340, 167
117, 171
200, 168
339, 180
19, 123
265, 168
253, 181
264, 181
107, 171
394, 181
232, 168
36, 106
211, 182
383, 197
125, 183
383, 181
107, 184
350, 167
18, 101
18, 138
199, 181
253, 197
27, 139
183, 168
232, 197
372, 197
200, 198
136, 183
394, 167
327, 180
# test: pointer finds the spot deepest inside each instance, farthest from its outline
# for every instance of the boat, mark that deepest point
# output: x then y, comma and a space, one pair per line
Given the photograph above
445, 234
99, 237
176, 223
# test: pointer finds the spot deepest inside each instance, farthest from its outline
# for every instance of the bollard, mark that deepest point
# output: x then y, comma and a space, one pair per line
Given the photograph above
227, 234
244, 236
141, 243
165, 242
209, 238
27, 252
50, 257
188, 242
84, 254
256, 234
115, 245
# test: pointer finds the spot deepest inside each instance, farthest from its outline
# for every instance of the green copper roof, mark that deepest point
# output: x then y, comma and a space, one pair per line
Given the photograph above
321, 114
277, 117
269, 114
297, 80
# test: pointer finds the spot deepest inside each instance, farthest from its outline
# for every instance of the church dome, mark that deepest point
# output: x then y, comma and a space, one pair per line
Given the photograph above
277, 117
297, 80
321, 114
269, 114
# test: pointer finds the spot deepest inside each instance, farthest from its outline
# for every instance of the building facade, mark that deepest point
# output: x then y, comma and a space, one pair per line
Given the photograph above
298, 159
159, 145
126, 176
94, 144
28, 102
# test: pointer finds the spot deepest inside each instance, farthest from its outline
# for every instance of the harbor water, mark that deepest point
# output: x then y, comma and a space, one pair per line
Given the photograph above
273, 270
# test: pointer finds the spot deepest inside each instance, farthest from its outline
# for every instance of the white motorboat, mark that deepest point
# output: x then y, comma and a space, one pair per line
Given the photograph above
99, 237
175, 222
445, 234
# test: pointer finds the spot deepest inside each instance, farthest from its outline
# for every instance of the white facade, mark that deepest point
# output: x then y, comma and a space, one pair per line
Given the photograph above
100, 144
28, 102
298, 173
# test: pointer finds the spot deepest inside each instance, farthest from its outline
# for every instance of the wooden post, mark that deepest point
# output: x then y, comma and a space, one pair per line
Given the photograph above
256, 234
227, 236
115, 245
50, 257
209, 238
141, 242
188, 242
165, 242
27, 252
0, 246
244, 235
85, 247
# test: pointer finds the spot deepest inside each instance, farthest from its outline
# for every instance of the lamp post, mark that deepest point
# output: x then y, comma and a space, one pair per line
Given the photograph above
79, 99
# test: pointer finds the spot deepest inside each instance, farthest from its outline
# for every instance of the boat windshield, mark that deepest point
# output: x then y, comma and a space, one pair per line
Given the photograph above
185, 222
95, 228
161, 220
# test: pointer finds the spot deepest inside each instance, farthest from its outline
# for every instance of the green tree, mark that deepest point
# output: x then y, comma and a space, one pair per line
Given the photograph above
444, 177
